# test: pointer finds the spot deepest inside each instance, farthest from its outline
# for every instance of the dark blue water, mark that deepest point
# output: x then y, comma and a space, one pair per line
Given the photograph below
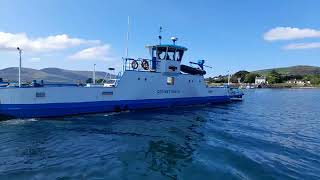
272, 134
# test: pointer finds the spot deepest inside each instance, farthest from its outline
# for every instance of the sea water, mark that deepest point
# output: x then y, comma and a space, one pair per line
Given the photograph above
272, 134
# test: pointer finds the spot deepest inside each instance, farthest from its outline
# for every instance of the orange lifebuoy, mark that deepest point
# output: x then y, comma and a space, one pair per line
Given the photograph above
134, 64
145, 64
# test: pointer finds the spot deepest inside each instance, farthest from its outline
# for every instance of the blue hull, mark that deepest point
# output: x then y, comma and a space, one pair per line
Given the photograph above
63, 109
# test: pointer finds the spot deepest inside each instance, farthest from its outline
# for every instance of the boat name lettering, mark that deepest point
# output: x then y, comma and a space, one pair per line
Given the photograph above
163, 91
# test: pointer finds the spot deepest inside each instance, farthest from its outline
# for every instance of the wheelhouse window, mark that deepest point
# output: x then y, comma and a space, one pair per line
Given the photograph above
179, 55
170, 56
170, 80
168, 53
161, 55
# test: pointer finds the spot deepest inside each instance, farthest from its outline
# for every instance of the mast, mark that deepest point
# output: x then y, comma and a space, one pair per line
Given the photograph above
128, 35
127, 47
160, 37
20, 50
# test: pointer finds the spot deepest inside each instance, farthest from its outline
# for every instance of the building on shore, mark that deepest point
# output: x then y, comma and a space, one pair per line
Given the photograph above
298, 82
260, 80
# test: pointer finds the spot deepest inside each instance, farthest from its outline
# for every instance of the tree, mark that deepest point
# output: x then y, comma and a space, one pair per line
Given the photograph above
274, 77
290, 77
217, 79
89, 80
99, 81
315, 80
251, 77
234, 79
210, 80
240, 74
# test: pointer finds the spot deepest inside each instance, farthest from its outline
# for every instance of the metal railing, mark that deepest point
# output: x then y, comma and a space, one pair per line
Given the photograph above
139, 64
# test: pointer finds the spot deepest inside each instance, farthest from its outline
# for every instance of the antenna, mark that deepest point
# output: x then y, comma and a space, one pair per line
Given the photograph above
128, 34
174, 39
160, 37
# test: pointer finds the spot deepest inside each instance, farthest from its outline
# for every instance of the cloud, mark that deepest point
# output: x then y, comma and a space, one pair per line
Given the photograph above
10, 41
35, 59
289, 33
94, 53
294, 46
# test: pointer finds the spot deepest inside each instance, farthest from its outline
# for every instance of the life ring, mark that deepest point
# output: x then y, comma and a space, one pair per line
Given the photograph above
134, 64
145, 64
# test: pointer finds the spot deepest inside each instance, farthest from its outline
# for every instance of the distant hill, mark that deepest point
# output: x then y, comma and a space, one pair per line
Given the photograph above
293, 70
49, 75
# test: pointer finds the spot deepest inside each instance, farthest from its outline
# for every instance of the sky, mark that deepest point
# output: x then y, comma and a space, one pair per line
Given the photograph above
230, 35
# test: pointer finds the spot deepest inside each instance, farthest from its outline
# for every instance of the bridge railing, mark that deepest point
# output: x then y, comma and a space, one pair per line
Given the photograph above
140, 64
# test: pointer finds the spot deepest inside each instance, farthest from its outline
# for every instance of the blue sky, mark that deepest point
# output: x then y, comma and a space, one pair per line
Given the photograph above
230, 35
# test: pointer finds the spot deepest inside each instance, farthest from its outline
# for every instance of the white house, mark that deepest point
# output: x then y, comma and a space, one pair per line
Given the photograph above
260, 80
298, 82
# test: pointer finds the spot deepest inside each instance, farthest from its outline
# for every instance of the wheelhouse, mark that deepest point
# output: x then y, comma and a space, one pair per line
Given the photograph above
167, 52
164, 58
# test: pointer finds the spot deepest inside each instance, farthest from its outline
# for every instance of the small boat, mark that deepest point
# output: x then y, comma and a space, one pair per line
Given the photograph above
235, 94
4, 84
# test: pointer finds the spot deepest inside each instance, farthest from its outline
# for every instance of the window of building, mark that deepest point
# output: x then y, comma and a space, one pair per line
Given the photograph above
170, 80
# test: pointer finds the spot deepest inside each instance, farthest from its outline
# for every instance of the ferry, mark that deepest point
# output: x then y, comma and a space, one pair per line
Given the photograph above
158, 82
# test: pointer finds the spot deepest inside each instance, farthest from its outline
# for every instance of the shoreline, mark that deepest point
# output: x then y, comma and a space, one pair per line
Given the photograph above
308, 87
273, 86
287, 86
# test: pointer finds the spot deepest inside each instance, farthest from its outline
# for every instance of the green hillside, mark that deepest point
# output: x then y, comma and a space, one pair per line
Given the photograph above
49, 75
308, 74
293, 70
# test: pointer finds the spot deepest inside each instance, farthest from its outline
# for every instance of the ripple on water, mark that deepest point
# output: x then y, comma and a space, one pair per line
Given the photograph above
272, 134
